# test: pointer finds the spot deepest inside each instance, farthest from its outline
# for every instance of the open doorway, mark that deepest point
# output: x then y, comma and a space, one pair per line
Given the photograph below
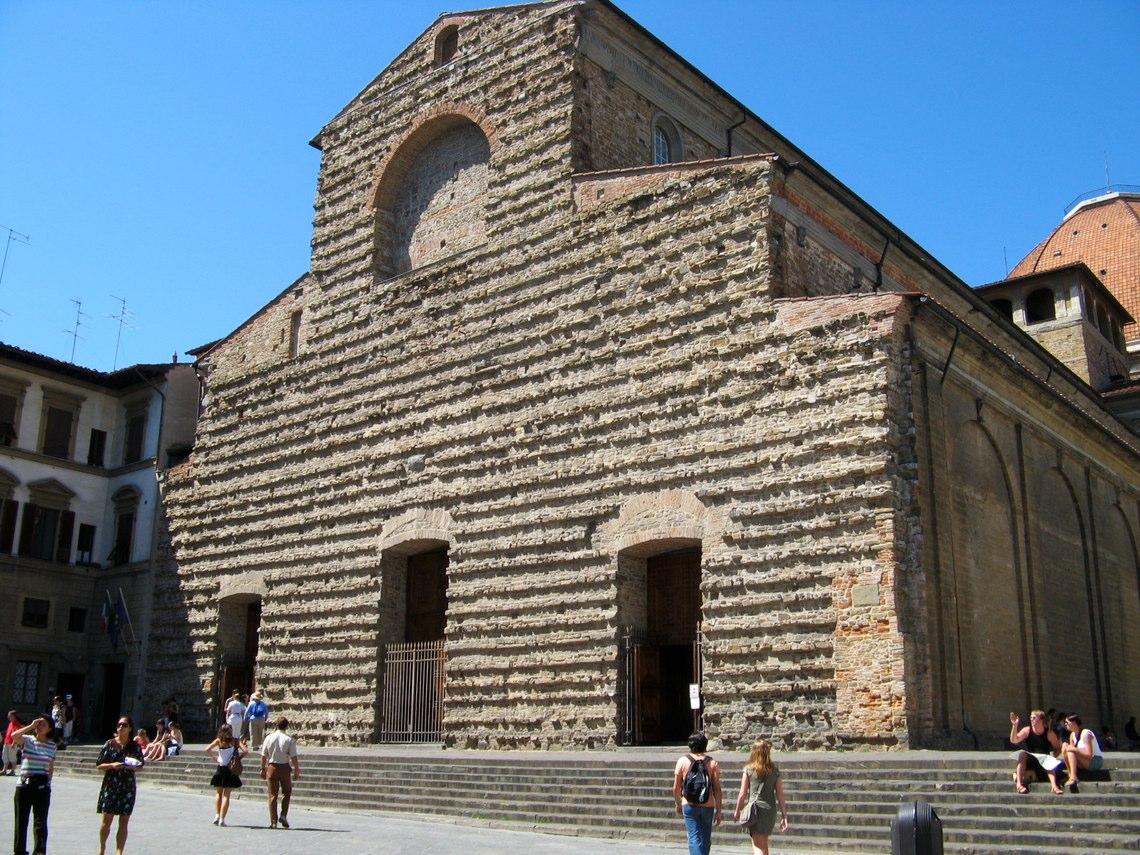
239, 629
660, 606
413, 618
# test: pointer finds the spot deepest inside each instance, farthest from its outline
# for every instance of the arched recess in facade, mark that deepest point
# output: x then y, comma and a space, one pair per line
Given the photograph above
239, 628
658, 542
985, 611
429, 196
411, 627
1064, 660
1119, 598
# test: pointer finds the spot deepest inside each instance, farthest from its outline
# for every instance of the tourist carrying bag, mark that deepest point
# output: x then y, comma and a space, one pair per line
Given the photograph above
749, 815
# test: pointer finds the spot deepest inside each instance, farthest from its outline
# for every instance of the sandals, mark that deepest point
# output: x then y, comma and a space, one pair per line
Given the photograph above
1058, 791
1022, 789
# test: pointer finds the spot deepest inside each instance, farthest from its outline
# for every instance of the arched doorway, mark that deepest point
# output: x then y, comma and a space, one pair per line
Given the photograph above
659, 606
239, 627
411, 661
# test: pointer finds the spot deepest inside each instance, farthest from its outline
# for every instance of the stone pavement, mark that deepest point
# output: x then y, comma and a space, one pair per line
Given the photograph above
172, 822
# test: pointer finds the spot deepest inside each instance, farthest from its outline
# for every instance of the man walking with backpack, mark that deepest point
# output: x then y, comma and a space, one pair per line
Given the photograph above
696, 790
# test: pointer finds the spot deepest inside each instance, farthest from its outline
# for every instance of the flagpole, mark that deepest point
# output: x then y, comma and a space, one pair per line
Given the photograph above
127, 615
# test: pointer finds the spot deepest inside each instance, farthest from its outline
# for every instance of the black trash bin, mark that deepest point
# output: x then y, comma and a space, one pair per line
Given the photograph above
916, 830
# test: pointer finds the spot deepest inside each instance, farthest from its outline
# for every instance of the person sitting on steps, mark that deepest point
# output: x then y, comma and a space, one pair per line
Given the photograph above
1082, 751
1038, 743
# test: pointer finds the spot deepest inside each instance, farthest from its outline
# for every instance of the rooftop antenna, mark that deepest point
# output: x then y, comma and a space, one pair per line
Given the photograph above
74, 333
16, 236
1107, 178
1005, 261
122, 318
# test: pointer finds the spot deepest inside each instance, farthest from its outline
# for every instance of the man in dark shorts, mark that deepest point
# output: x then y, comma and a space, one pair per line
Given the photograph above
1038, 744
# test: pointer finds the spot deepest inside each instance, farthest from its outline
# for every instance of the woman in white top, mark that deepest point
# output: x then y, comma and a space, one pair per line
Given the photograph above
225, 749
1081, 751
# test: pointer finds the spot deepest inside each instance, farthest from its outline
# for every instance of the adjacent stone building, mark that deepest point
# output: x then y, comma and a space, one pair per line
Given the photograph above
79, 450
601, 399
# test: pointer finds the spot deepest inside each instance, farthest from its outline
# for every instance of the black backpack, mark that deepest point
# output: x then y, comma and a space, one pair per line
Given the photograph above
696, 785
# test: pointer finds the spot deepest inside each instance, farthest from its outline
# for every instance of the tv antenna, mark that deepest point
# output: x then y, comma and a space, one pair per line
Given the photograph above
16, 236
74, 333
122, 317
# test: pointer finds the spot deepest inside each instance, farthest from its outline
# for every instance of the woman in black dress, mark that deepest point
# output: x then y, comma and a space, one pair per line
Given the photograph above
120, 758
225, 750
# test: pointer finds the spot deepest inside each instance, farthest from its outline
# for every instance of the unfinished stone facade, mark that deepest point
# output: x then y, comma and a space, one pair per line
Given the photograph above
573, 376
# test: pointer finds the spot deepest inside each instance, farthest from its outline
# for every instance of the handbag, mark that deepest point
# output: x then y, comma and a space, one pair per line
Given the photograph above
235, 762
749, 815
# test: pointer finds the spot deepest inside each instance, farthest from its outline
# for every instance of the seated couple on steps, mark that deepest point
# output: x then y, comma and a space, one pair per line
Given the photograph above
1043, 753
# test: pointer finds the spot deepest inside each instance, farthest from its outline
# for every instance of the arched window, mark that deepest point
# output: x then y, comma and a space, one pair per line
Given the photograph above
1040, 306
446, 45
666, 140
1004, 306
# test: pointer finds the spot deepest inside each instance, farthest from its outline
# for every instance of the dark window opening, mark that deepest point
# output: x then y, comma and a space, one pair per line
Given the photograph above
294, 334
9, 509
97, 448
1102, 321
85, 545
57, 433
136, 431
46, 533
7, 420
124, 529
1005, 307
77, 620
446, 46
1040, 306
36, 613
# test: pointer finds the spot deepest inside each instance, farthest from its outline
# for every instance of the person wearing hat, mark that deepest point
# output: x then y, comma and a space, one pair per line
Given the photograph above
257, 713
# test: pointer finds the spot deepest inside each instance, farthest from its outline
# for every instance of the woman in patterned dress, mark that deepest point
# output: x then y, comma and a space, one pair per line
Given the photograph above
120, 758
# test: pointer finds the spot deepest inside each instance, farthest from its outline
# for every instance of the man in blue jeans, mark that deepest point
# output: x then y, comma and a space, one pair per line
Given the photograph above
700, 814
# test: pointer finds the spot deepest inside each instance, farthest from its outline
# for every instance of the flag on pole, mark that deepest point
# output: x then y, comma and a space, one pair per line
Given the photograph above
112, 623
123, 615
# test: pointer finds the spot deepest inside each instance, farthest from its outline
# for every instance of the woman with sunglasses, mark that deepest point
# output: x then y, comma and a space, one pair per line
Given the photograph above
120, 758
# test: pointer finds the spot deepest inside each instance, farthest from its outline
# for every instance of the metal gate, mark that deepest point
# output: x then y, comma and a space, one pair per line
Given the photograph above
637, 673
411, 697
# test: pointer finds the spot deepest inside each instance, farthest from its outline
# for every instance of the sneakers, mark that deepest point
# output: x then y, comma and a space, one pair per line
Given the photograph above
284, 822
217, 819
221, 822
272, 825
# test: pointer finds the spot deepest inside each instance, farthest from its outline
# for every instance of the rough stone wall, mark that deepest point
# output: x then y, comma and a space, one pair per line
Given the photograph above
616, 337
617, 125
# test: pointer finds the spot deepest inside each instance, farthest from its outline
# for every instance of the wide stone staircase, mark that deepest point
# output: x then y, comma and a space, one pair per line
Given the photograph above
838, 801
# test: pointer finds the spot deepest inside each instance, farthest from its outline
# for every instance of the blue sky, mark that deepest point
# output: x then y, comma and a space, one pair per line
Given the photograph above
158, 151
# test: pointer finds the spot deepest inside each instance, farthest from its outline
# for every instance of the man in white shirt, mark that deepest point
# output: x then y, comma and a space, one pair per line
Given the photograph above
280, 767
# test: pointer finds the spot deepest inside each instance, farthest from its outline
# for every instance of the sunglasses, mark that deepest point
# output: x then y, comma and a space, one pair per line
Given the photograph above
123, 724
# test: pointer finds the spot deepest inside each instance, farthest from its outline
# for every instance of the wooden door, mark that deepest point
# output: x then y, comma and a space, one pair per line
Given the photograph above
646, 694
426, 615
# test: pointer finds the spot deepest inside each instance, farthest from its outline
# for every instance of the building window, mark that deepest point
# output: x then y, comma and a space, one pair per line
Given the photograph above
446, 45
126, 507
85, 544
135, 436
26, 683
9, 510
36, 613
1040, 306
97, 448
60, 415
11, 400
1005, 307
48, 523
294, 334
77, 620
666, 141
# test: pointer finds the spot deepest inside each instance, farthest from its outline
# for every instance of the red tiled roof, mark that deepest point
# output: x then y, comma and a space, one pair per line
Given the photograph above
1105, 235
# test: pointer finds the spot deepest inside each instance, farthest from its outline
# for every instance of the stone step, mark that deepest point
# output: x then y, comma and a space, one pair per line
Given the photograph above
839, 802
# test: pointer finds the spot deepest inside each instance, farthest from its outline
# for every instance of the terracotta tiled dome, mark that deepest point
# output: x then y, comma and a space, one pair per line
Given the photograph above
1104, 233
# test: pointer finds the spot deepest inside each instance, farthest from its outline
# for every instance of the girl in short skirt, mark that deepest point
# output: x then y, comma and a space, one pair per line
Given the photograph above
224, 749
